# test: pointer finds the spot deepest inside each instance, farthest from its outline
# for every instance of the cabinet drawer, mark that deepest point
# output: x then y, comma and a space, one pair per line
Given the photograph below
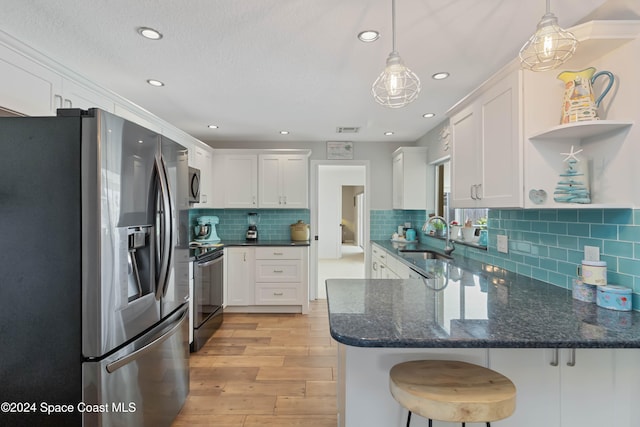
278, 271
277, 295
278, 252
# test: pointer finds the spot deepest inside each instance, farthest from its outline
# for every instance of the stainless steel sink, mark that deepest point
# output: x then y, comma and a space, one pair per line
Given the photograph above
424, 254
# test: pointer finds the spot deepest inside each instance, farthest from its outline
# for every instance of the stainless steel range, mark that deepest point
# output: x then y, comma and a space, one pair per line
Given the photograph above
207, 294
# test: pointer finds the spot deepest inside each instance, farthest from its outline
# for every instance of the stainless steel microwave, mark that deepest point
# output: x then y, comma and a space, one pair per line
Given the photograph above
194, 185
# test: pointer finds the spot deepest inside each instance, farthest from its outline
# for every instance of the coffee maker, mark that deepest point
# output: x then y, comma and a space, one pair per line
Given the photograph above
252, 232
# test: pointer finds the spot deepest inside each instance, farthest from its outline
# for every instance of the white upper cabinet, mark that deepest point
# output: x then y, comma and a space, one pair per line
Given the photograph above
261, 179
76, 95
466, 158
28, 87
610, 148
240, 181
283, 181
410, 178
486, 131
508, 143
200, 158
36, 90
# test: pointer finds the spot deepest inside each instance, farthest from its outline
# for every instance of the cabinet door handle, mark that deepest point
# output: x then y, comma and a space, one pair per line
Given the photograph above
278, 253
68, 103
278, 271
375, 266
572, 358
58, 101
278, 294
253, 200
478, 192
554, 358
245, 256
474, 192
285, 199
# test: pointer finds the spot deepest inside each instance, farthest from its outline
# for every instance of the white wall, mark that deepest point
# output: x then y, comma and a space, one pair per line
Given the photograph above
330, 181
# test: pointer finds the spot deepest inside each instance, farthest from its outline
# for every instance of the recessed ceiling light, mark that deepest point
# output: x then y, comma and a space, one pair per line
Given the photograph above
368, 36
388, 133
440, 76
428, 115
149, 33
213, 126
284, 132
156, 83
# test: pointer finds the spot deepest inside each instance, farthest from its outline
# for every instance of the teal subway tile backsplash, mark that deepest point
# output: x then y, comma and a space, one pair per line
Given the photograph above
620, 216
604, 231
548, 244
619, 249
274, 223
383, 223
592, 216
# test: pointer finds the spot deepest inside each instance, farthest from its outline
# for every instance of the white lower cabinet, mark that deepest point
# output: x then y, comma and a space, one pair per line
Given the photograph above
270, 278
600, 389
281, 276
384, 265
571, 388
239, 276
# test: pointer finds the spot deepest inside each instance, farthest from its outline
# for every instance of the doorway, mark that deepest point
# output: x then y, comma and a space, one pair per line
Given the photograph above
340, 222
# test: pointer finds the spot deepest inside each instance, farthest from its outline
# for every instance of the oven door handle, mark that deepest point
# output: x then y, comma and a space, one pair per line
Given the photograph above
208, 263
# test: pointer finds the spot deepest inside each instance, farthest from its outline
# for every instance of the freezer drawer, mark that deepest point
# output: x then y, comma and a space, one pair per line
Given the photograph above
144, 384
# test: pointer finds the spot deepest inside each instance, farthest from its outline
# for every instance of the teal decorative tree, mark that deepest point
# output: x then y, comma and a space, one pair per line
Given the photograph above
573, 186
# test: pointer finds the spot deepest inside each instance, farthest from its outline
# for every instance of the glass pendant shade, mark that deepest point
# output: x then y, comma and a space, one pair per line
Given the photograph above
549, 47
397, 85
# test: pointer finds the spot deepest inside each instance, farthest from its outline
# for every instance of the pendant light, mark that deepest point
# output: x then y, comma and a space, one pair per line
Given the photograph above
397, 86
549, 47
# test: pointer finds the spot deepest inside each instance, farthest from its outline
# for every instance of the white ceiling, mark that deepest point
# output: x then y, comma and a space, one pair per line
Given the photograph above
255, 67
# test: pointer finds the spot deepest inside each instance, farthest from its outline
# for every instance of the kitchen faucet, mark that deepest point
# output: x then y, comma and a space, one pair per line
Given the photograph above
449, 246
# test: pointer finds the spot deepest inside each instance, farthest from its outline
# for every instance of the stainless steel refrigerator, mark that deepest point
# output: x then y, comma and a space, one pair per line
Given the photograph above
93, 272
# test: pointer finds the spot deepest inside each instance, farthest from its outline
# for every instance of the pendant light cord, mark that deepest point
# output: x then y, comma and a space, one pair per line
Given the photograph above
393, 24
548, 6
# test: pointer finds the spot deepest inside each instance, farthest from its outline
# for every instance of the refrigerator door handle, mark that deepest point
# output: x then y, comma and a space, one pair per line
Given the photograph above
165, 214
117, 364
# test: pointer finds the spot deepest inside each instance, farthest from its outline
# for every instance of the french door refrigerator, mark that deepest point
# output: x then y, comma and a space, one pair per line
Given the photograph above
93, 272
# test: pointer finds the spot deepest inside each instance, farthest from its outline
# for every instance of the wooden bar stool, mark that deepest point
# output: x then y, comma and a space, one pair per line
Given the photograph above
453, 391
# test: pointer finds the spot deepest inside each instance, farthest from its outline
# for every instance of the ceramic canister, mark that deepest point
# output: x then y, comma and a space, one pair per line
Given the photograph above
614, 297
584, 292
593, 272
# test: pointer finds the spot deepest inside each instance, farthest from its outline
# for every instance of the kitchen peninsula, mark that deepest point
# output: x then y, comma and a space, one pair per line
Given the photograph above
568, 359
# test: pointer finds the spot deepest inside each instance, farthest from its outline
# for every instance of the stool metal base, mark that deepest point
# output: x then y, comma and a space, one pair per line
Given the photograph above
431, 421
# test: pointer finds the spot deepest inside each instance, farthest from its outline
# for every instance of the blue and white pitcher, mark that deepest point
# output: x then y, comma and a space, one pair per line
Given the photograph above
579, 103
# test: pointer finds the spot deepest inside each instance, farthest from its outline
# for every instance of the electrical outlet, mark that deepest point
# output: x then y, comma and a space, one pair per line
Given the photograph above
503, 243
591, 253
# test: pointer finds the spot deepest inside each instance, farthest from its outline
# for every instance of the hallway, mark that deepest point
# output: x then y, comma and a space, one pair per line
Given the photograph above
351, 265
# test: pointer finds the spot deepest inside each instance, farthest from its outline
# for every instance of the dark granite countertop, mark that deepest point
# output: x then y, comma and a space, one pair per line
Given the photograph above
196, 252
472, 305
261, 242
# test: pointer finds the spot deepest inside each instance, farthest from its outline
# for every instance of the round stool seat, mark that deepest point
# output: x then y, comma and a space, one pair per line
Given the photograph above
453, 391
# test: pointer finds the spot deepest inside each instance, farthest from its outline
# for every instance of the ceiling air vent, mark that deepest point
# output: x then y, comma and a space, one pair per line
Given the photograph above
347, 129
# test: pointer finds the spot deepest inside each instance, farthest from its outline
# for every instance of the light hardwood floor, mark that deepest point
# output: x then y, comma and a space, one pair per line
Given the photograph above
265, 370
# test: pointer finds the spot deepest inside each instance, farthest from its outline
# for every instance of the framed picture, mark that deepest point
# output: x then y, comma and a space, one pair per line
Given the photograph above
339, 150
